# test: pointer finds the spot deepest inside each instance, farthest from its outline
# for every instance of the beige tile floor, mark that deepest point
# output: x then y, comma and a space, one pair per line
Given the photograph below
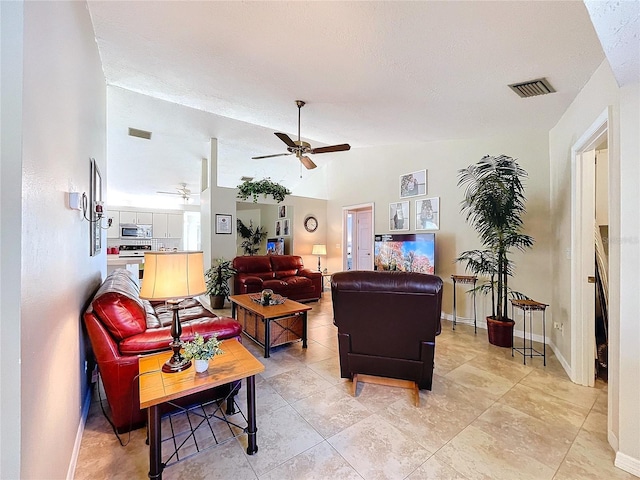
487, 417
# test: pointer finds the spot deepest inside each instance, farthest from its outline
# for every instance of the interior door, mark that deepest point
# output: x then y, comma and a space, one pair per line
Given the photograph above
364, 243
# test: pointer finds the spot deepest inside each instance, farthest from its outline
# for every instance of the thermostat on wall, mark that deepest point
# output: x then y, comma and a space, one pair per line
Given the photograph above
74, 200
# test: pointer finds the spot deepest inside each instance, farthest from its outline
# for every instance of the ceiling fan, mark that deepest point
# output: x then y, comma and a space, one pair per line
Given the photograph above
300, 149
182, 190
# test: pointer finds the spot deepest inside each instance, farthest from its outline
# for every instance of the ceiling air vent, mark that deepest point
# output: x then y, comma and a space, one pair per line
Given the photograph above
134, 132
246, 179
532, 88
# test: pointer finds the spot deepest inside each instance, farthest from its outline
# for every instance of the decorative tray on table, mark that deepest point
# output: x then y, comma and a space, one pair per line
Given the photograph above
275, 298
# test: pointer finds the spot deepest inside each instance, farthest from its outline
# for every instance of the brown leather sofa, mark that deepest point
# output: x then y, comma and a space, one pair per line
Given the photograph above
284, 274
121, 327
387, 323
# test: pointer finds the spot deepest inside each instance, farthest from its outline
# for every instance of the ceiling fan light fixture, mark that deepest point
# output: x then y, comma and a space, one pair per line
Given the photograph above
301, 148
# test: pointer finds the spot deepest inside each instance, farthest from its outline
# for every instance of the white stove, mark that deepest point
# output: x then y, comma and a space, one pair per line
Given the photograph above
134, 250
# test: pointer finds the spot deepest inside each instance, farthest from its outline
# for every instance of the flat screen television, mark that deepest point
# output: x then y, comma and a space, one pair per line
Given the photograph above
275, 246
411, 252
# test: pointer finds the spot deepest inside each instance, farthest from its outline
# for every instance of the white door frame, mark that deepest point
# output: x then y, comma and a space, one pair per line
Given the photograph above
582, 240
345, 211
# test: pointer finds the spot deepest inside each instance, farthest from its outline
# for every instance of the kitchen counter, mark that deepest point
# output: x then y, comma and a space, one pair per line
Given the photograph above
117, 260
133, 264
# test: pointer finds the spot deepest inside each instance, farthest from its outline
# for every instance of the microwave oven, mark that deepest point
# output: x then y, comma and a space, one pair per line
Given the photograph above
135, 231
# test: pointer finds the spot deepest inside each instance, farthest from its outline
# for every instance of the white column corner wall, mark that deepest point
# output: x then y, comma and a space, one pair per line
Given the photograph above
63, 125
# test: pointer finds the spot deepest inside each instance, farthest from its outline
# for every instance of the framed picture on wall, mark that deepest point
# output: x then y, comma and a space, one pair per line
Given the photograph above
428, 214
282, 211
413, 184
278, 228
224, 223
95, 205
398, 216
286, 227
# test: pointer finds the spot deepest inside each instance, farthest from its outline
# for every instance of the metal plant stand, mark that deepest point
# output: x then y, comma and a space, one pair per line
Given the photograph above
465, 280
530, 306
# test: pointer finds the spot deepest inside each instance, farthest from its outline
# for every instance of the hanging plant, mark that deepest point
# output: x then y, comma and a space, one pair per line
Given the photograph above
262, 187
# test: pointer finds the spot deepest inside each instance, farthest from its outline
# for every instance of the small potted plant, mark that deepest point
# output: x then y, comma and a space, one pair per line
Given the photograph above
201, 351
218, 277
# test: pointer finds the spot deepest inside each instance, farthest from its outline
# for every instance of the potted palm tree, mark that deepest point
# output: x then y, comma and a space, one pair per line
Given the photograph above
218, 277
494, 204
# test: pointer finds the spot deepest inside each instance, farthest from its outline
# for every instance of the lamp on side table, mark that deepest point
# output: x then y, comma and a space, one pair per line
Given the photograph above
319, 250
173, 277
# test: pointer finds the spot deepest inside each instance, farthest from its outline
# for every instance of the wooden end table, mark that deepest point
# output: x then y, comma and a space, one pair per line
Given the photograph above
157, 387
271, 325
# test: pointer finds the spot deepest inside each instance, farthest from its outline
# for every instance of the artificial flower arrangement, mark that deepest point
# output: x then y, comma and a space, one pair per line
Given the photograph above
201, 349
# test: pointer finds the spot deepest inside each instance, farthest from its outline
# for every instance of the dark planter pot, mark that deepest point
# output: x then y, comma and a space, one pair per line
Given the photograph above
500, 333
217, 301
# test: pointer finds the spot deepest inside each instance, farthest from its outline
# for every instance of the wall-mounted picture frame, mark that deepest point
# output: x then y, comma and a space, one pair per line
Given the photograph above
282, 211
95, 199
428, 214
224, 224
399, 216
278, 228
413, 184
286, 227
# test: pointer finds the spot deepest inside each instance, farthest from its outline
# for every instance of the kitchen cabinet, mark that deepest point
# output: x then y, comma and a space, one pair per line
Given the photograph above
167, 225
136, 218
114, 229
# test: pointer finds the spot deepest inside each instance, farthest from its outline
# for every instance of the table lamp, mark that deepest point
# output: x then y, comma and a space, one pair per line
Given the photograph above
173, 277
319, 250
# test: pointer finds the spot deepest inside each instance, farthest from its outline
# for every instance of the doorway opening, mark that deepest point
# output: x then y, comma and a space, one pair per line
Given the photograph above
357, 231
589, 270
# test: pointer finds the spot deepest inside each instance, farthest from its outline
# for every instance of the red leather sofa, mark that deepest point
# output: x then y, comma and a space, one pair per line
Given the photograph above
121, 327
284, 274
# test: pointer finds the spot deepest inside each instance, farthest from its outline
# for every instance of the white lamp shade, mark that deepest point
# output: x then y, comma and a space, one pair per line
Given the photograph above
172, 275
319, 250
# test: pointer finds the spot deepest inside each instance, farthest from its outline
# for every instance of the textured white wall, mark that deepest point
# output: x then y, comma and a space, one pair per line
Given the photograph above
11, 48
372, 175
599, 92
64, 112
628, 456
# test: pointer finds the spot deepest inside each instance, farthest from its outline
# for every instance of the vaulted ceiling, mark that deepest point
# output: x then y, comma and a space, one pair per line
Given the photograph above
373, 73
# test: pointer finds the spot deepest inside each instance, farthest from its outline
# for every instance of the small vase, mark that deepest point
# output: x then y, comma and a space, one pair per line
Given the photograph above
201, 366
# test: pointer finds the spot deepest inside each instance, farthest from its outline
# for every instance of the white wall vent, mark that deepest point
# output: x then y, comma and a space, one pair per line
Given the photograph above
134, 132
532, 88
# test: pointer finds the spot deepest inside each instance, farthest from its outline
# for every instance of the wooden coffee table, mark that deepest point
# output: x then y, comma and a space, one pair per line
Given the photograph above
272, 325
157, 387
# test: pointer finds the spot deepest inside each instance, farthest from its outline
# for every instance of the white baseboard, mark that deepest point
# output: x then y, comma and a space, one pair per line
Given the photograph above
76, 447
627, 463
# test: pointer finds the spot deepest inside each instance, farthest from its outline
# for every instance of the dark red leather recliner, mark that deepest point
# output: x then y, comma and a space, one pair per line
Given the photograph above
387, 323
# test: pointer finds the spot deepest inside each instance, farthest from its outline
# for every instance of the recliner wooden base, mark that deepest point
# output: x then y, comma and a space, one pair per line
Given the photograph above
389, 382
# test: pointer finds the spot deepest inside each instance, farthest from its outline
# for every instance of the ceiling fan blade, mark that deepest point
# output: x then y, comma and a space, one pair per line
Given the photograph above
169, 193
271, 156
331, 148
286, 139
307, 162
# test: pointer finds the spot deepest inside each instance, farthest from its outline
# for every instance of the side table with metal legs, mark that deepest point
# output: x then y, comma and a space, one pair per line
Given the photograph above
465, 280
530, 306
